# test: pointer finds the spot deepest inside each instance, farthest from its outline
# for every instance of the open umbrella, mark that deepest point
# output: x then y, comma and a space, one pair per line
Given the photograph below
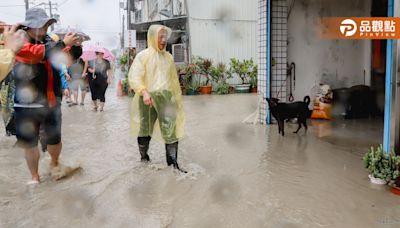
89, 53
61, 31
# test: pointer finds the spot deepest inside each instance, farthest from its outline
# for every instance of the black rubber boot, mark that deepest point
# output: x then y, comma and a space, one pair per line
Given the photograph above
172, 155
144, 147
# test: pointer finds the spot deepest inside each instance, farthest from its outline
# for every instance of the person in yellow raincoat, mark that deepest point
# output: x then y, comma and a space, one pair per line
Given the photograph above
157, 105
13, 41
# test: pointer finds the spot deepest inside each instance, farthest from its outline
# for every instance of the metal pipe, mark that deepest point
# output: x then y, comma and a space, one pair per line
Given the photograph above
26, 5
51, 14
128, 13
189, 48
396, 87
268, 68
388, 87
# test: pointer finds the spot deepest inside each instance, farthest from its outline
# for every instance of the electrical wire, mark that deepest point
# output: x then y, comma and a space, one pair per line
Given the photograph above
10, 14
62, 3
6, 6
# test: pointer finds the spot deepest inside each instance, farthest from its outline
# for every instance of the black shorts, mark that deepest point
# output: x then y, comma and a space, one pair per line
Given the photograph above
28, 122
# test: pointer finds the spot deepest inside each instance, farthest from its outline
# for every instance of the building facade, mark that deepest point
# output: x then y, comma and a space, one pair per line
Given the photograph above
288, 34
218, 30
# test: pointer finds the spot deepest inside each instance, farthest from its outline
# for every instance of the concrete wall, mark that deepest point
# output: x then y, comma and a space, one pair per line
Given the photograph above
339, 63
223, 29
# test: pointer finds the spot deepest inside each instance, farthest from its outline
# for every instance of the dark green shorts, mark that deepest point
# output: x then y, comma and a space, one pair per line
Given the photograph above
164, 109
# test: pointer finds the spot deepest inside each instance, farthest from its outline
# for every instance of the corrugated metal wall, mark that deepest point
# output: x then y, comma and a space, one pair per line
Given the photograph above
223, 29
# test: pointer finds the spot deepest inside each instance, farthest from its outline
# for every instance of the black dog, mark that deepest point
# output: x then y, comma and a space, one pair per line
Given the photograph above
285, 111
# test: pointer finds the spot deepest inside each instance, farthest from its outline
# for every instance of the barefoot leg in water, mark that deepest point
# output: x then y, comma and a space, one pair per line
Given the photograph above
54, 151
32, 157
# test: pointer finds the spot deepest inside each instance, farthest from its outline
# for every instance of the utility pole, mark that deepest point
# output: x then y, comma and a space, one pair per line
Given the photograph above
51, 14
26, 5
128, 13
53, 8
123, 32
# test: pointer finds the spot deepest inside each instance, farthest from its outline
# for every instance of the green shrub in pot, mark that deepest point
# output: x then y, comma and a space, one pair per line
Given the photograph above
385, 166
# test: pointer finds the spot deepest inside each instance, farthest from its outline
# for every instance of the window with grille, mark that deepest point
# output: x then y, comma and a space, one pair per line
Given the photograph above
178, 52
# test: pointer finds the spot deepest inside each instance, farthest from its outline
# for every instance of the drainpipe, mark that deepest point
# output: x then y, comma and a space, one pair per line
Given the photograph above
388, 87
268, 68
396, 86
188, 47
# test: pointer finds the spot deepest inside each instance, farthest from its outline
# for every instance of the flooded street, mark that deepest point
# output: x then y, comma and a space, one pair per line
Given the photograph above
238, 175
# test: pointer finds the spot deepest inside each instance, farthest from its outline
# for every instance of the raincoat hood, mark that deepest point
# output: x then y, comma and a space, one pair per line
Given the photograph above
152, 36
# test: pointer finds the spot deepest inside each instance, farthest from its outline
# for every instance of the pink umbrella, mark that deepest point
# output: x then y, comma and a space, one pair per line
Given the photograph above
89, 53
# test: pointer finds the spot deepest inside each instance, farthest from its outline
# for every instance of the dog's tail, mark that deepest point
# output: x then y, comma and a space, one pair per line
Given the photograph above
307, 100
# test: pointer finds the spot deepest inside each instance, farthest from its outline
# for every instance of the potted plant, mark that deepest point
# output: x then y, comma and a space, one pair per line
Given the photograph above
241, 69
193, 87
181, 70
204, 66
187, 76
125, 87
383, 167
223, 88
396, 187
219, 76
396, 184
253, 74
217, 73
123, 60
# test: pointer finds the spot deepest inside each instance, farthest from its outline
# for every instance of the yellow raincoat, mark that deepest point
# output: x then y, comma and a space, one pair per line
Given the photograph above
154, 70
6, 62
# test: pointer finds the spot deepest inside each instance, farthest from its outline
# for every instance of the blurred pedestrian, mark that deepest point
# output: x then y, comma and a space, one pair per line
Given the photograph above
99, 77
75, 72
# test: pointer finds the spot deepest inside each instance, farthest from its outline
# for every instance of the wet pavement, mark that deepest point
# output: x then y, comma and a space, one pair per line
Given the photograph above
239, 175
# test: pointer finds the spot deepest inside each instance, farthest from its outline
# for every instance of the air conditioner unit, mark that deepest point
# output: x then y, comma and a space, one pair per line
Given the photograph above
178, 52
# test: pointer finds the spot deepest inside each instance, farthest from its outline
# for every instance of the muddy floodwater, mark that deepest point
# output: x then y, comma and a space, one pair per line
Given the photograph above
239, 175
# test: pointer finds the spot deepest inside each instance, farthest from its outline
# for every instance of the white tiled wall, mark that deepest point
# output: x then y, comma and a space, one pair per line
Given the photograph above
262, 57
279, 32
278, 52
